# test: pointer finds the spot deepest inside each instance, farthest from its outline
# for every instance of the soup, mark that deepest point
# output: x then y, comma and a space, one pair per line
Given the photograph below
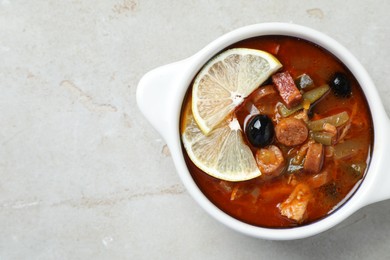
312, 154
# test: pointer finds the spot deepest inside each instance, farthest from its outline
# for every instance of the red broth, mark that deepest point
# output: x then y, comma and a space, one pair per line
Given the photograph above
258, 201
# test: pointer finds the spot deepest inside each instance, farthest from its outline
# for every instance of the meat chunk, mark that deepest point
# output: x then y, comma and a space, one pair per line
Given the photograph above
270, 160
291, 131
285, 85
320, 179
294, 207
314, 158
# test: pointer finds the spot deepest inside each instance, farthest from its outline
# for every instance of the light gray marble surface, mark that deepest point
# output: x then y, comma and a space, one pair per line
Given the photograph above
82, 173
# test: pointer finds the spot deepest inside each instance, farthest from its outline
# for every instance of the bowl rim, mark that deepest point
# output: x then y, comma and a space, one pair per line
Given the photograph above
353, 203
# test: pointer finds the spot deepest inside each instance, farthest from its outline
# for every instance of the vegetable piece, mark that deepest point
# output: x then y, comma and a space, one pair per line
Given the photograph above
262, 92
285, 112
314, 158
329, 151
225, 186
302, 115
340, 85
348, 148
304, 81
357, 169
336, 120
267, 92
291, 131
260, 131
237, 192
306, 104
294, 207
319, 179
292, 180
329, 128
270, 160
323, 137
315, 94
331, 190
285, 85
310, 96
244, 192
255, 193
301, 153
342, 131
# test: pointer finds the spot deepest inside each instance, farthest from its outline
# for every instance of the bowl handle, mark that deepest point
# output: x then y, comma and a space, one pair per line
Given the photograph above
158, 92
380, 187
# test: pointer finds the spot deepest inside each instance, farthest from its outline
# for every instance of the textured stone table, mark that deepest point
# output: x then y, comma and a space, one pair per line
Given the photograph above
82, 173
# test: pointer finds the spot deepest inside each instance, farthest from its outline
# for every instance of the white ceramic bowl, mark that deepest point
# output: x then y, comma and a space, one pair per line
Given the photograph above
160, 94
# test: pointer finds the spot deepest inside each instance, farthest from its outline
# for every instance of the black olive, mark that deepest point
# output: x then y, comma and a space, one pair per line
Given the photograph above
260, 131
340, 85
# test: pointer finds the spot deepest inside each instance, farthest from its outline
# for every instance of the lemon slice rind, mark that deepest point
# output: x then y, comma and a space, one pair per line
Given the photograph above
226, 80
223, 153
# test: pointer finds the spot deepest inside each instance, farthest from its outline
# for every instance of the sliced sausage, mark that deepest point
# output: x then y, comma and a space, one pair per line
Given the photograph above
291, 131
270, 160
314, 158
285, 85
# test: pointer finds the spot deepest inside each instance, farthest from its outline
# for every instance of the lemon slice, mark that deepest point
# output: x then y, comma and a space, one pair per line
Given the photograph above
226, 80
223, 153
